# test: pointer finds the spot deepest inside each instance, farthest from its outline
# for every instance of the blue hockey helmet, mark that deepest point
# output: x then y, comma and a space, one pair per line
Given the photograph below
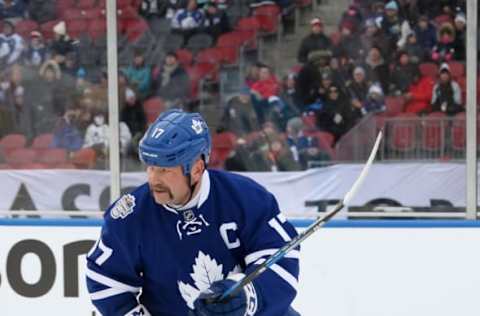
176, 138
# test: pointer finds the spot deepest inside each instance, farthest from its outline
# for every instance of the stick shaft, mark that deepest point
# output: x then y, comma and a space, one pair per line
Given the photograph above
307, 232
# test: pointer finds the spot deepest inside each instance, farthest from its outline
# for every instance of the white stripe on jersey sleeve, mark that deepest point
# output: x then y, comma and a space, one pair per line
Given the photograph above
279, 229
100, 295
281, 272
97, 277
254, 256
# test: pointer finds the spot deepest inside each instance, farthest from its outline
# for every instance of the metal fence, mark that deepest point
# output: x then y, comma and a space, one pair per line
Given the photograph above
435, 137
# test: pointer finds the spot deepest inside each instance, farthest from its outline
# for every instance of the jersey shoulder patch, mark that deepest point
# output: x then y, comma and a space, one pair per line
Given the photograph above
123, 207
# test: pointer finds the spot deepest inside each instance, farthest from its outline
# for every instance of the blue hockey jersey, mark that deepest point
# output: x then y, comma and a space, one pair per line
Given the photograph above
153, 255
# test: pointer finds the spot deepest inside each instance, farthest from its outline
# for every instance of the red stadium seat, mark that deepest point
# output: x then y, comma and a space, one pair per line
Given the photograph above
122, 4
394, 105
94, 13
86, 4
457, 69
135, 29
210, 56
402, 134
20, 156
184, 57
65, 165
47, 29
458, 132
429, 69
97, 28
76, 28
42, 141
230, 44
72, 14
84, 158
152, 108
25, 27
63, 5
249, 27
268, 17
444, 18
222, 145
52, 157
433, 132
11, 142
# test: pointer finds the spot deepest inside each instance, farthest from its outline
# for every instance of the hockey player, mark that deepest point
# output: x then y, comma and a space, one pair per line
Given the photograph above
188, 234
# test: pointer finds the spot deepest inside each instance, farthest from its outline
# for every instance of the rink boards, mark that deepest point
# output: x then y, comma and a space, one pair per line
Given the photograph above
374, 268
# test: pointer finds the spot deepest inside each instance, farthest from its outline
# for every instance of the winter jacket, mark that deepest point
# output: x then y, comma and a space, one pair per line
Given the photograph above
310, 43
421, 95
447, 98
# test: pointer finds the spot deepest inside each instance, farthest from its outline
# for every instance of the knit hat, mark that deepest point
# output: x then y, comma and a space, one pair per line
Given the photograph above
316, 21
460, 17
375, 89
392, 5
359, 69
60, 28
444, 68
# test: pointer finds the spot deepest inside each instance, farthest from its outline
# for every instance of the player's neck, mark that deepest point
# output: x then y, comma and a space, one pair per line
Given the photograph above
191, 200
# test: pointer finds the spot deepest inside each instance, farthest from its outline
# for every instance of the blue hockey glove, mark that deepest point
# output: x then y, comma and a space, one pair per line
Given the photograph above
245, 303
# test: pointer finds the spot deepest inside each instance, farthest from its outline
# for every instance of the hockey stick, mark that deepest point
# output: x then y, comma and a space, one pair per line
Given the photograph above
232, 291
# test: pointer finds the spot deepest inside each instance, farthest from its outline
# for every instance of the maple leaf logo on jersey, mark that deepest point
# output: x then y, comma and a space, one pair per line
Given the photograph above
197, 126
206, 270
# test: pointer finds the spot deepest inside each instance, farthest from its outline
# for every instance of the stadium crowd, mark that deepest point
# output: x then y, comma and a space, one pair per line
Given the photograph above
53, 74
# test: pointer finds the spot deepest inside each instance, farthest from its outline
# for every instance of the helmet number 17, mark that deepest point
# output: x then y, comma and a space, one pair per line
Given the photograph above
157, 132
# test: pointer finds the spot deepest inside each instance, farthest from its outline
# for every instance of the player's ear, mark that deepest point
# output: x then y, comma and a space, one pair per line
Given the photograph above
197, 170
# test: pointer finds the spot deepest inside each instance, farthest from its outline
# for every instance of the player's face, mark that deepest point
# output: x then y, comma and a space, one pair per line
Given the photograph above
168, 185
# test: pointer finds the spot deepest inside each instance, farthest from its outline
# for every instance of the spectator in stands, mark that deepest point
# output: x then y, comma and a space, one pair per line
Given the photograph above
342, 69
12, 9
315, 41
62, 44
460, 36
358, 90
216, 21
353, 18
262, 91
289, 93
426, 34
446, 95
252, 74
187, 21
273, 153
66, 133
419, 95
303, 148
11, 45
240, 116
336, 116
444, 51
97, 95
403, 74
96, 136
52, 86
325, 83
42, 11
375, 102
172, 83
414, 50
156, 8
9, 104
373, 37
391, 24
138, 75
349, 44
35, 53
376, 68
310, 76
133, 115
